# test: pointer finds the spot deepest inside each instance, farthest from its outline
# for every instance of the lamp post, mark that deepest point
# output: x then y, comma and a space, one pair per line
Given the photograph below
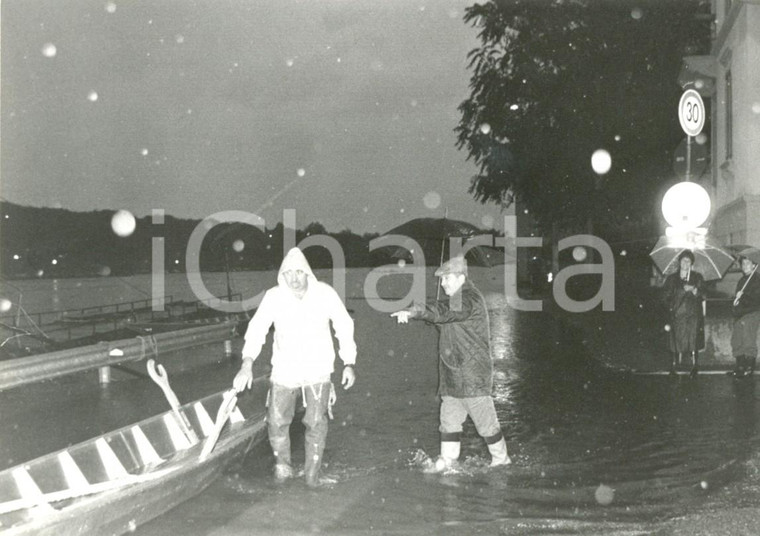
601, 162
686, 205
691, 115
227, 271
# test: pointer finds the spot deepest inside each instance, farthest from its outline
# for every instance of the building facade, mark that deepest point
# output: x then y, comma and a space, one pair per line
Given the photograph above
729, 81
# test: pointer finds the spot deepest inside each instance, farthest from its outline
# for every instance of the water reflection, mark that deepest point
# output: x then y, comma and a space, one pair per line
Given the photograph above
586, 436
744, 430
595, 451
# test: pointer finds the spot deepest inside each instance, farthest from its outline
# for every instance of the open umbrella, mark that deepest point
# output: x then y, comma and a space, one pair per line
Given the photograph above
748, 252
433, 236
710, 258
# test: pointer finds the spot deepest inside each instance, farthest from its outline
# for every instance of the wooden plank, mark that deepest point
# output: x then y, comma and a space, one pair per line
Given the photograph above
178, 438
207, 425
71, 472
145, 449
31, 493
113, 466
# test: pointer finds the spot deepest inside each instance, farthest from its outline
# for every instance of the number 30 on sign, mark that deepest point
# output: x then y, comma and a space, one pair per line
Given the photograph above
691, 112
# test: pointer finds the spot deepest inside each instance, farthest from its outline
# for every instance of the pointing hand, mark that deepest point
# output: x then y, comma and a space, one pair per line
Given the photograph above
402, 317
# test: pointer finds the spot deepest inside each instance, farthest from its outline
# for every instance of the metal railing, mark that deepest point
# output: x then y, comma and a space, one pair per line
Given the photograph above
65, 326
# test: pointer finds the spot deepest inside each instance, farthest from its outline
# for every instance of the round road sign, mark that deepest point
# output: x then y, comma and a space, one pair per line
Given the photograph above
691, 112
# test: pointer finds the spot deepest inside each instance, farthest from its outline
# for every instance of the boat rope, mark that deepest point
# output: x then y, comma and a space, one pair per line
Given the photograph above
25, 333
153, 345
332, 398
20, 332
29, 319
330, 401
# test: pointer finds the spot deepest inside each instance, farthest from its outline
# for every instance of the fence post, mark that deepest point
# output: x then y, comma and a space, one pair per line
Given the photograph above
104, 375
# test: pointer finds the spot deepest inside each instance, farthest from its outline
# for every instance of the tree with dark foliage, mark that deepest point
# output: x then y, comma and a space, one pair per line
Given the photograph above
555, 80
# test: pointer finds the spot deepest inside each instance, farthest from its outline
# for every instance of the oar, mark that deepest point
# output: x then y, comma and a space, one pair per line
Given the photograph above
229, 401
158, 375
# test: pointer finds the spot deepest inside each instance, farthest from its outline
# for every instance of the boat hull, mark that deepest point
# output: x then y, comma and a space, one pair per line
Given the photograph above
121, 511
141, 491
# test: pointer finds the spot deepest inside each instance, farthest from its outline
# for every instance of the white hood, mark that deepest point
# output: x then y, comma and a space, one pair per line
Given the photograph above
294, 260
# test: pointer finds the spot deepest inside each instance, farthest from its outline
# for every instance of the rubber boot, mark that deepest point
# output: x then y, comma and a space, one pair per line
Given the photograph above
282, 472
317, 398
694, 366
312, 463
280, 408
745, 365
499, 454
449, 456
739, 366
673, 364
281, 449
750, 366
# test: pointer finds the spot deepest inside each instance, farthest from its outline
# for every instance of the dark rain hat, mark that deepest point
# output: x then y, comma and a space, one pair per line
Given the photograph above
457, 265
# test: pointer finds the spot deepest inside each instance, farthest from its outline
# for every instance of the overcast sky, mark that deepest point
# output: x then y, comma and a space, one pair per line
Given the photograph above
341, 109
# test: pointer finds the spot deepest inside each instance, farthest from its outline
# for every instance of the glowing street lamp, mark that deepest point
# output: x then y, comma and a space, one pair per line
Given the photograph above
686, 206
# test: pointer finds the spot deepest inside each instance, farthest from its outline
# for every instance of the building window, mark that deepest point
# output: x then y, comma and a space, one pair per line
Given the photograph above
729, 117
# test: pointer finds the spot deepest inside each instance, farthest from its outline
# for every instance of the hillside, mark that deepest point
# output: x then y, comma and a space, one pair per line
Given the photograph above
51, 242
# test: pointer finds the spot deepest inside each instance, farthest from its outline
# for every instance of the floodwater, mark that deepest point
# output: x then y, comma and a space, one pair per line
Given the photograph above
595, 451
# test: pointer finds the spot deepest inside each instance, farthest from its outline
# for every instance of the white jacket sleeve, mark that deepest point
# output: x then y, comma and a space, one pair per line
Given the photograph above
258, 327
343, 325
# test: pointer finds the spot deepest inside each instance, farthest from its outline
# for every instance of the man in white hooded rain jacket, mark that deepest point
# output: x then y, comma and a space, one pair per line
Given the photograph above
301, 309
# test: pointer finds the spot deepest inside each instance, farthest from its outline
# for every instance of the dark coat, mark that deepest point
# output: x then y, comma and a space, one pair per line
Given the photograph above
750, 300
687, 320
464, 349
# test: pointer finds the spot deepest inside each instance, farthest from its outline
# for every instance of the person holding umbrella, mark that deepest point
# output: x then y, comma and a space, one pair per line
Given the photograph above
683, 297
746, 314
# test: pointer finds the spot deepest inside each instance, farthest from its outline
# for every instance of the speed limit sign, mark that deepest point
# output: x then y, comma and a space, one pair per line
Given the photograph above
691, 112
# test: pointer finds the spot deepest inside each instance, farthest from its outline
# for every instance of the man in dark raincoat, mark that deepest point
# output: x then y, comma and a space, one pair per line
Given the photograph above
465, 365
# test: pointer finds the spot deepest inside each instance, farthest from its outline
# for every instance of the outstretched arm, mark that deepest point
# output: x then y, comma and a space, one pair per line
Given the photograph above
437, 311
403, 316
255, 336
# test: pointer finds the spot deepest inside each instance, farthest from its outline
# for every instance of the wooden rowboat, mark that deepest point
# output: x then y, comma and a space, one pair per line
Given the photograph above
113, 483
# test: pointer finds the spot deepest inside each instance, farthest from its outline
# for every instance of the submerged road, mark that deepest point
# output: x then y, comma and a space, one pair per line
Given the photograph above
596, 452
